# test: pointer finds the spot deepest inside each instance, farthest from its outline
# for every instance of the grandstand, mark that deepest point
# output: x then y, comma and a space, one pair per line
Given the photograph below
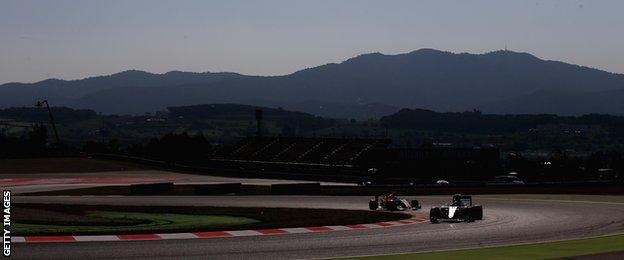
323, 151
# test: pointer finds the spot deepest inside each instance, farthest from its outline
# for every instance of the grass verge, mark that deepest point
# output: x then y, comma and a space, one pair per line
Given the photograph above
559, 197
547, 250
44, 219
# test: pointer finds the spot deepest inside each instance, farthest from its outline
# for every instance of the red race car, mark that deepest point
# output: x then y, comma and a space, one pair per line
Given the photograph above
392, 202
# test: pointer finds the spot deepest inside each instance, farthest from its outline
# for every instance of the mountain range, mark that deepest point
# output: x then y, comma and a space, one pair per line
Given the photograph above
366, 86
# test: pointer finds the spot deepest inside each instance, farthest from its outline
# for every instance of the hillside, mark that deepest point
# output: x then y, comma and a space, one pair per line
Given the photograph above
370, 85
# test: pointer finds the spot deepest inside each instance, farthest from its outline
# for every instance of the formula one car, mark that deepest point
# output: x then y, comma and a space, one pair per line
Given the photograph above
391, 202
461, 209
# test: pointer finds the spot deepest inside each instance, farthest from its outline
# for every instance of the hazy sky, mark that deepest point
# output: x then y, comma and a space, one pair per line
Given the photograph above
76, 39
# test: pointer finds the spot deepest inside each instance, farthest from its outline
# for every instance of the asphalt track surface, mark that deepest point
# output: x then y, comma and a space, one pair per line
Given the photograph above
505, 222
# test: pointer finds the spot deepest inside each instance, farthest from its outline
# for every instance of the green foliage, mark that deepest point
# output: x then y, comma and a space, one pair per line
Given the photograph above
232, 112
552, 250
476, 122
34, 145
61, 114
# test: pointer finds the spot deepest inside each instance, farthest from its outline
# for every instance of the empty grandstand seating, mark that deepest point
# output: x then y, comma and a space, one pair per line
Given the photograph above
331, 151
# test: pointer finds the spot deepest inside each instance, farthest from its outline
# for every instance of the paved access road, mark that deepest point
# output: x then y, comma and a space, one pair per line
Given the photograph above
506, 222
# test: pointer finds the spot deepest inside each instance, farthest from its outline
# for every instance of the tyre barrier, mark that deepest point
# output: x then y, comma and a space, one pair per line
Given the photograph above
296, 189
151, 188
218, 189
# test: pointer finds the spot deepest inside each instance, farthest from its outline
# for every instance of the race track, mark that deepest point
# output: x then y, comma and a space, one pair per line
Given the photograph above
506, 222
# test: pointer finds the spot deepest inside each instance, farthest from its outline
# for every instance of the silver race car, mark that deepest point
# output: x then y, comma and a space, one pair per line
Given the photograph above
461, 209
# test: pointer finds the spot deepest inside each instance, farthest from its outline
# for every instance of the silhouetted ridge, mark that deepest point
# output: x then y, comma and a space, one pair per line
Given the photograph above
496, 82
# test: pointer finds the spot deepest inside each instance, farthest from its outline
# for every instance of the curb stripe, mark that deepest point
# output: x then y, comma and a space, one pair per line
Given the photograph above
339, 228
244, 233
97, 238
216, 234
319, 229
356, 226
373, 225
177, 235
272, 231
139, 237
49, 238
212, 234
18, 239
296, 230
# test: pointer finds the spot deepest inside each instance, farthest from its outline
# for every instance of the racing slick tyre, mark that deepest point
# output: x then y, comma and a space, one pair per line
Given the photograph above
415, 204
477, 213
399, 205
434, 214
373, 205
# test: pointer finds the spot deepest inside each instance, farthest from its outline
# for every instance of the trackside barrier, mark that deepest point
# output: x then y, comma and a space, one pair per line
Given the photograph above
151, 188
219, 188
267, 170
324, 173
590, 188
296, 189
